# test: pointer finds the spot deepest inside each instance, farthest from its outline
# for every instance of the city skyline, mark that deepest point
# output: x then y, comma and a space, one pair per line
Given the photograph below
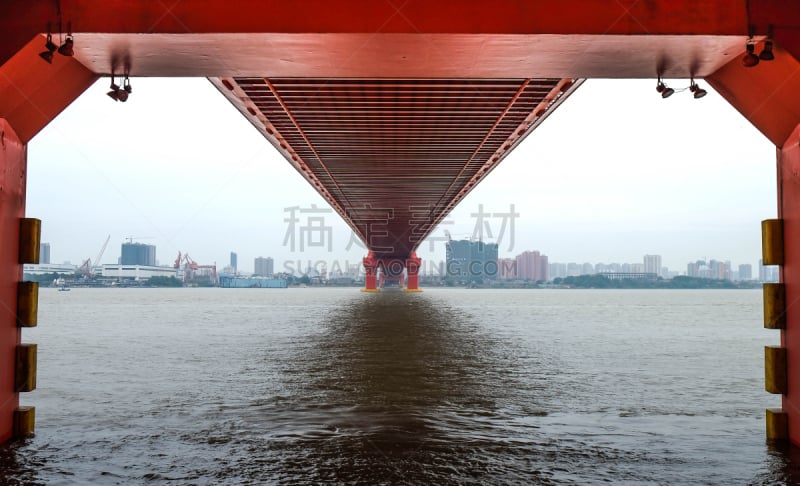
639, 266
615, 173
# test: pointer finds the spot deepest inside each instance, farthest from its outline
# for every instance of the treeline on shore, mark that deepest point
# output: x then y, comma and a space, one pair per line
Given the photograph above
51, 279
599, 281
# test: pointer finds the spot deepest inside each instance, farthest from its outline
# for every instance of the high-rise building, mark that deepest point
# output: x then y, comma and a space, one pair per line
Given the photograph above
484, 260
745, 272
526, 265
471, 260
533, 266
507, 268
264, 267
652, 264
542, 269
719, 270
138, 254
234, 259
713, 269
638, 268
694, 269
44, 253
457, 258
557, 270
768, 273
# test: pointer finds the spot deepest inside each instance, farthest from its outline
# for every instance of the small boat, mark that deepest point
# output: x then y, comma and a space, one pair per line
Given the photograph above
64, 288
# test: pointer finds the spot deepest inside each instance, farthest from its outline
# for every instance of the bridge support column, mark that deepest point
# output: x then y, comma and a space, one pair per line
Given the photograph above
413, 264
15, 300
781, 246
371, 273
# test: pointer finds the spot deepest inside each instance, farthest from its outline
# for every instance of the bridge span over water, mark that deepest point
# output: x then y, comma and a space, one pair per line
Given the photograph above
395, 110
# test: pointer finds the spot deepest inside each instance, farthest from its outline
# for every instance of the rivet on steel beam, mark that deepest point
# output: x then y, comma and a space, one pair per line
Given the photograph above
30, 231
25, 368
27, 303
24, 420
777, 424
772, 242
775, 369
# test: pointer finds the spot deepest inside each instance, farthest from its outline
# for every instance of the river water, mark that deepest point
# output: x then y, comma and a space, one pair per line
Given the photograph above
450, 386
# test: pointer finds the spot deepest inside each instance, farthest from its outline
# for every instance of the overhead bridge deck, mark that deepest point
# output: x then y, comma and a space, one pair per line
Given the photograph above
394, 156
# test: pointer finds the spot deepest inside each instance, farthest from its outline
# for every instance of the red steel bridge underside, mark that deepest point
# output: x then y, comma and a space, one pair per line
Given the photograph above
394, 110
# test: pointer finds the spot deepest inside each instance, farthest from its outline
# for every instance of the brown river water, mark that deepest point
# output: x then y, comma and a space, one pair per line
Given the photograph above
450, 386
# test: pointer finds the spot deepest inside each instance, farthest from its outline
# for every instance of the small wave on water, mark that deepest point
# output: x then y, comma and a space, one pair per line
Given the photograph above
445, 387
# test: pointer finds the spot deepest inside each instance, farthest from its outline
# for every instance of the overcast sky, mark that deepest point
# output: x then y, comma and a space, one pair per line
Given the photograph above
614, 174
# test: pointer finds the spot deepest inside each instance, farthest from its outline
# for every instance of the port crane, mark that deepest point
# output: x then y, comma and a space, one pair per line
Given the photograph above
87, 267
190, 267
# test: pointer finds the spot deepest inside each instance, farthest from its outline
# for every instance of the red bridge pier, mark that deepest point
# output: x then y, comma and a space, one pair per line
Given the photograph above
19, 243
781, 246
380, 270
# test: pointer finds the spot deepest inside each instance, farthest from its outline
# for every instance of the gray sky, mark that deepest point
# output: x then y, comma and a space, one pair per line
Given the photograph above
614, 174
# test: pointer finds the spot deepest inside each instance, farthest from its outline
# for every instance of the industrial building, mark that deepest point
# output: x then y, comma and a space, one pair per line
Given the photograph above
137, 272
47, 268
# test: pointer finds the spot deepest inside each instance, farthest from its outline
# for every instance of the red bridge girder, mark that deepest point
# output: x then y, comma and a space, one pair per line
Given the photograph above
394, 156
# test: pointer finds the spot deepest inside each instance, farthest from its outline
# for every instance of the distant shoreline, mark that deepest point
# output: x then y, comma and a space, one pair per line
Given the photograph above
597, 281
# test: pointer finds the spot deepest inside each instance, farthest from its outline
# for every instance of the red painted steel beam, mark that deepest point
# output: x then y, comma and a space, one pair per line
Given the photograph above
339, 208
765, 94
13, 169
789, 212
554, 98
781, 18
687, 17
33, 92
489, 133
418, 38
240, 99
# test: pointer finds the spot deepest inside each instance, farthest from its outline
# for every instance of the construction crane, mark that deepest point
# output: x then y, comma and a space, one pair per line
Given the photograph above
131, 238
87, 267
